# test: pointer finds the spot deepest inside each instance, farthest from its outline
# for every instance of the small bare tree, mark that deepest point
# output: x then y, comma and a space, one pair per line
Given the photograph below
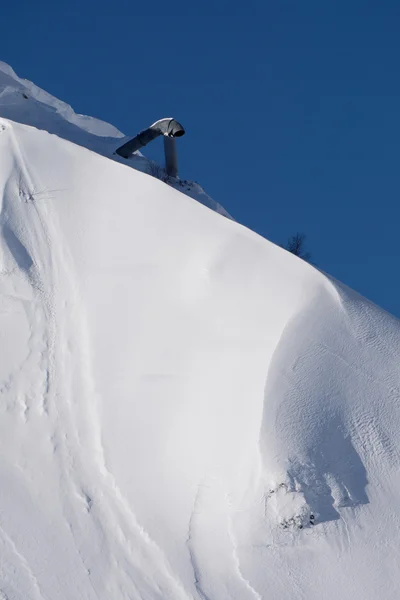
296, 245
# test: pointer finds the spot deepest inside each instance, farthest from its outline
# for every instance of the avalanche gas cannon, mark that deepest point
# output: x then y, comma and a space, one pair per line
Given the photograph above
170, 129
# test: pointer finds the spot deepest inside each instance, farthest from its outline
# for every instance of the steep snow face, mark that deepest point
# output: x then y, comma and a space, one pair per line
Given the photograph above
25, 102
186, 410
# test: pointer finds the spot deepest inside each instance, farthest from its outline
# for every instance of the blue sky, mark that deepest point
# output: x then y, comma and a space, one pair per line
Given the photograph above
292, 109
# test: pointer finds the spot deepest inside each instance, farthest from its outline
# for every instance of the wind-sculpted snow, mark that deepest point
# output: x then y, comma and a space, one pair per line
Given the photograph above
24, 102
186, 410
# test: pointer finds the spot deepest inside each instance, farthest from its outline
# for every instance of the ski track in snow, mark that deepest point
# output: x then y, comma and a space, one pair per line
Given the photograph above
58, 302
22, 564
210, 520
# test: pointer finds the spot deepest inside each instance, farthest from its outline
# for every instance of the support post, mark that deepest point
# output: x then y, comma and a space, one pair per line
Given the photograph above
171, 157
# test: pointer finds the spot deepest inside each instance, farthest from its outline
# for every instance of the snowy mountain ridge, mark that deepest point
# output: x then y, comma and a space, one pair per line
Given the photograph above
24, 102
11, 83
187, 411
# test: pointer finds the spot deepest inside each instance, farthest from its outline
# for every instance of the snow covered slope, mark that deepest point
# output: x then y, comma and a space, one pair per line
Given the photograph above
186, 410
25, 102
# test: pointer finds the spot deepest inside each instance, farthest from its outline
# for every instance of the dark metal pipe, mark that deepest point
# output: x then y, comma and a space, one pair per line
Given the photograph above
168, 127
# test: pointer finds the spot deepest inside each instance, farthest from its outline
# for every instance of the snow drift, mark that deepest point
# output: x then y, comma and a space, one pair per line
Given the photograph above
24, 102
186, 410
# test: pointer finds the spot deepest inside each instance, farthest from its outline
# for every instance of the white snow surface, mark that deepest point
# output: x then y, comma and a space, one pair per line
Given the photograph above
187, 411
25, 102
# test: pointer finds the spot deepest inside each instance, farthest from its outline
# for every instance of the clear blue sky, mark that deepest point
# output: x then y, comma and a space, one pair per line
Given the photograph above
292, 109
